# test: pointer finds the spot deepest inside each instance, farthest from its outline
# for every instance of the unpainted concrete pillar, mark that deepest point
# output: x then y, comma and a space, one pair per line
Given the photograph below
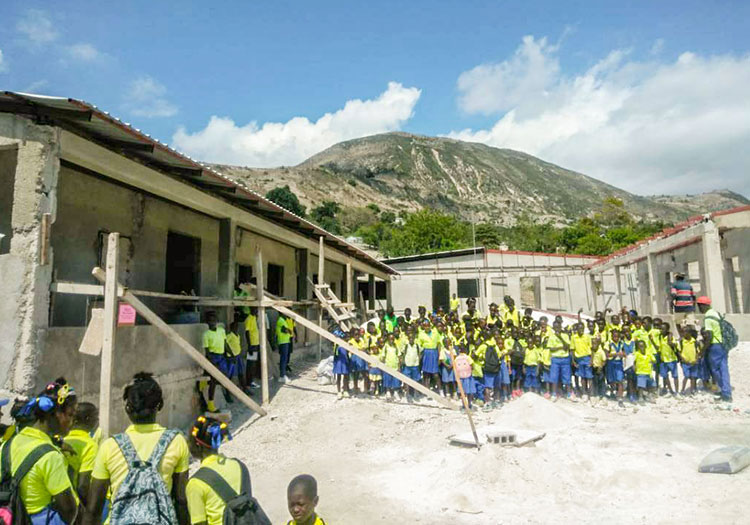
513, 288
24, 282
227, 248
653, 299
713, 264
371, 292
542, 292
618, 287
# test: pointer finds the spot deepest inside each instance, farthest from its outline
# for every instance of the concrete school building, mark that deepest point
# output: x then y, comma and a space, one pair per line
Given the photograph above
542, 281
712, 250
69, 175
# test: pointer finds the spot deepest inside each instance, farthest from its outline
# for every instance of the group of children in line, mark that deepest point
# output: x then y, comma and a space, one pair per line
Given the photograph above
505, 353
55, 469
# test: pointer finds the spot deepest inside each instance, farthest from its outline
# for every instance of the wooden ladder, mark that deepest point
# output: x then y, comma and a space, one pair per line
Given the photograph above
342, 313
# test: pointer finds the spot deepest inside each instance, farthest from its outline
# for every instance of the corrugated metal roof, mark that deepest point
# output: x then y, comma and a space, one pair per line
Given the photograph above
99, 126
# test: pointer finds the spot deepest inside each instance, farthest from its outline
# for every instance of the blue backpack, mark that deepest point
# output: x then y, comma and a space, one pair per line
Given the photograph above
142, 497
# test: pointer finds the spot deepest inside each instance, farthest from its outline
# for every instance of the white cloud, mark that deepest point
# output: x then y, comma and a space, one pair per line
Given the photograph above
3, 63
145, 97
84, 52
646, 126
288, 143
36, 26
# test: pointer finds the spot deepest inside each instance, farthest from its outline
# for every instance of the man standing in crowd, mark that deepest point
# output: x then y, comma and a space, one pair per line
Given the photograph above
683, 297
718, 358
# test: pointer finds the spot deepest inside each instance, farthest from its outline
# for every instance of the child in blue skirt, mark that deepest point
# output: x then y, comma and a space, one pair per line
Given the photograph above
392, 358
446, 368
357, 365
341, 369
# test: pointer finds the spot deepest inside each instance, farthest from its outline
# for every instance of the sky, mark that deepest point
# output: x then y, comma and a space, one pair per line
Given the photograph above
652, 97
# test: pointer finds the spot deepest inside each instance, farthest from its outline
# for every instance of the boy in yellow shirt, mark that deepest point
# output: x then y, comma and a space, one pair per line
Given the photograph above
689, 358
644, 363
668, 356
81, 464
302, 498
598, 362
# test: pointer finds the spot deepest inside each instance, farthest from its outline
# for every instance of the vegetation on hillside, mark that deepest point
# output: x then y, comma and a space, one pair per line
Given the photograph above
610, 228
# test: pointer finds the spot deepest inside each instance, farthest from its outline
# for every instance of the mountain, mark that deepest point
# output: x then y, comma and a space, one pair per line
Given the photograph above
400, 171
703, 202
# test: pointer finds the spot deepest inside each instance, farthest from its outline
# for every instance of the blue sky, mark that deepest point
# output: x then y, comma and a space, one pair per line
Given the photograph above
649, 96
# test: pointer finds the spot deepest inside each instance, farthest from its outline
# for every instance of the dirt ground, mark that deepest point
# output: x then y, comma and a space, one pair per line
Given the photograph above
379, 462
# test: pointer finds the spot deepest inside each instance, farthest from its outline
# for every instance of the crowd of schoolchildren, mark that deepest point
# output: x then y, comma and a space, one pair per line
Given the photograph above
55, 469
505, 353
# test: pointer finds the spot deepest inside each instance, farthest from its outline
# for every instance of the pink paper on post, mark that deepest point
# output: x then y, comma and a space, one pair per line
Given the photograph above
125, 315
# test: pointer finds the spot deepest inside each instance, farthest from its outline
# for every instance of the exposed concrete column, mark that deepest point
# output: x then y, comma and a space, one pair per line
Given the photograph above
513, 288
713, 266
227, 248
370, 291
24, 281
303, 259
592, 282
654, 301
488, 288
542, 292
618, 287
388, 293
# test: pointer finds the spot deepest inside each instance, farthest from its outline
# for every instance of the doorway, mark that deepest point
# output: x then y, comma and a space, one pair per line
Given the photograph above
183, 268
441, 294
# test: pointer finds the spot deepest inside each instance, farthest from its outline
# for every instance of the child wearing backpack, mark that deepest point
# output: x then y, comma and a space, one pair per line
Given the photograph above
146, 467
220, 492
34, 481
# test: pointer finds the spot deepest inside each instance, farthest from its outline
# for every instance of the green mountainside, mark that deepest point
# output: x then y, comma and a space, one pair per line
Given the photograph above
402, 172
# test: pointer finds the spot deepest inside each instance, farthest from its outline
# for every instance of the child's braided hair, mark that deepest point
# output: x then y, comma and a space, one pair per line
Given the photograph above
210, 433
142, 396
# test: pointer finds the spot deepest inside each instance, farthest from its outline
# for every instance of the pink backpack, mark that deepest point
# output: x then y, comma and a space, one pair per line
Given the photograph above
463, 366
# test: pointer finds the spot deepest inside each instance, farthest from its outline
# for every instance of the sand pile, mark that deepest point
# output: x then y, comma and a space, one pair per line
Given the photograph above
534, 412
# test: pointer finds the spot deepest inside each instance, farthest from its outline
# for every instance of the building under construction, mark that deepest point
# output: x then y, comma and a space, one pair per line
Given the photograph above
70, 174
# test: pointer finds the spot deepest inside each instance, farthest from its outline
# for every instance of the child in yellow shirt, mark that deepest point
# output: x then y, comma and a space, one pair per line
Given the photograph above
302, 498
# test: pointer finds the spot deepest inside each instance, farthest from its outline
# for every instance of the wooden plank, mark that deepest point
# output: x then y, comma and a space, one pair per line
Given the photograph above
367, 357
349, 284
109, 333
194, 354
92, 339
44, 239
76, 288
260, 280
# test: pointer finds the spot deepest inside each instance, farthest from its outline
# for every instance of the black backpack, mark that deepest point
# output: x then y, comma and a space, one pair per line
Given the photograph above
517, 354
240, 509
491, 360
11, 505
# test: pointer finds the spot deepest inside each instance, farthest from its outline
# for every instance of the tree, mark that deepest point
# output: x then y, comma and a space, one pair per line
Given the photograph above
488, 235
427, 231
286, 198
325, 216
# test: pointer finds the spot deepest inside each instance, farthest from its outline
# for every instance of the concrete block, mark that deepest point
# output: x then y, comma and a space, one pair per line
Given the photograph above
726, 460
506, 438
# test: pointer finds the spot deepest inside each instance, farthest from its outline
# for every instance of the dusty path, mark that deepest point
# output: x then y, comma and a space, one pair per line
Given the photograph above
380, 462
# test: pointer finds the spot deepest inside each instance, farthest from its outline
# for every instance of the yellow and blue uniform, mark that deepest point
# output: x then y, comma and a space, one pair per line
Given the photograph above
717, 357
318, 521
644, 363
49, 475
85, 448
203, 502
111, 465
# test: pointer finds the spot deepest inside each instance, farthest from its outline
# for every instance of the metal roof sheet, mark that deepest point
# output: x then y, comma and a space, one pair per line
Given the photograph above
99, 126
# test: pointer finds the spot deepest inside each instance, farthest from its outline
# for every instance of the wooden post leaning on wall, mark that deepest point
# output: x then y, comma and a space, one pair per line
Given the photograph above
109, 334
321, 281
197, 356
262, 328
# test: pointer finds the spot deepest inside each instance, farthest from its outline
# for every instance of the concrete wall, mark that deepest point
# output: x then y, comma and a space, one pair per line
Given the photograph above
89, 207
24, 283
736, 243
139, 348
